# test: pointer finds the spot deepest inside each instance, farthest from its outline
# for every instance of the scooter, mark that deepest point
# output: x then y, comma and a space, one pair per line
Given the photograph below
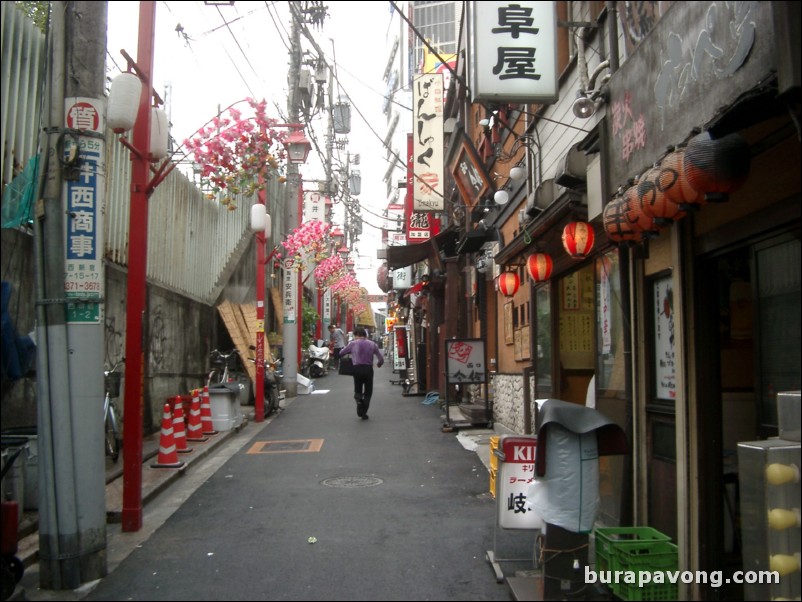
271, 381
318, 358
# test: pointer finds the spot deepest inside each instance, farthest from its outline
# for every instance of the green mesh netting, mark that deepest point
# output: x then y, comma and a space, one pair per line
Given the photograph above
18, 196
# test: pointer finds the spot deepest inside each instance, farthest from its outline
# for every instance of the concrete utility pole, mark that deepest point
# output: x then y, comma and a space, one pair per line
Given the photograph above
70, 276
292, 323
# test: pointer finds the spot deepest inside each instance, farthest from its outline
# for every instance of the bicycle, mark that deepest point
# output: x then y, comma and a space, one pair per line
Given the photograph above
228, 362
111, 421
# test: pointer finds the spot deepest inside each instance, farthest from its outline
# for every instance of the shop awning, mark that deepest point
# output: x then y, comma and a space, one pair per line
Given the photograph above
404, 255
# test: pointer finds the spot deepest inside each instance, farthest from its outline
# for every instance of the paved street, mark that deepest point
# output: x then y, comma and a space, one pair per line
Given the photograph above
319, 505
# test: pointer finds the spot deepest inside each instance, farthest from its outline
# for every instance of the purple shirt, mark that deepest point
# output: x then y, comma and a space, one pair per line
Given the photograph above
362, 352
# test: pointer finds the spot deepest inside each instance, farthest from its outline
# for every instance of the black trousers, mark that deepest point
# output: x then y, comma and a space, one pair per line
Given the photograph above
363, 383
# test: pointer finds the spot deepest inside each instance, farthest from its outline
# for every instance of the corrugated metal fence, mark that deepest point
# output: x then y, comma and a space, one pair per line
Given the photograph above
23, 60
192, 240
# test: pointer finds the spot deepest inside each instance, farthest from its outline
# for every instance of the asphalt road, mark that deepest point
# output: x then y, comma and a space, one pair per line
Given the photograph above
320, 505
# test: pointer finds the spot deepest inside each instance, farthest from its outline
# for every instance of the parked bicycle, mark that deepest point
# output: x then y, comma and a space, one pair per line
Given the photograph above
224, 367
111, 413
271, 381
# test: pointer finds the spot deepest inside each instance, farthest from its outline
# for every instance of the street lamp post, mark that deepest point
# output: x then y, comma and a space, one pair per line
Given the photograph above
298, 148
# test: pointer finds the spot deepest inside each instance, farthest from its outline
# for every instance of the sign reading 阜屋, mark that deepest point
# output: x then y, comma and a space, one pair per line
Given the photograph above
427, 100
84, 183
513, 51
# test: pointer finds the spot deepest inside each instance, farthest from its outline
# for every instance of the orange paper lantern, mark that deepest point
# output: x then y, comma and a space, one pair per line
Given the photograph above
717, 166
508, 283
675, 183
652, 197
618, 228
539, 266
578, 239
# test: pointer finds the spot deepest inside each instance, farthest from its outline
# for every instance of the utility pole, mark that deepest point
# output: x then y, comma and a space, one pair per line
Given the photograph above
293, 312
69, 289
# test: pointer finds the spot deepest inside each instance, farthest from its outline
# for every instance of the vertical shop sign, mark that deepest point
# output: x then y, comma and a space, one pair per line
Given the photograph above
314, 207
427, 100
289, 291
84, 151
665, 377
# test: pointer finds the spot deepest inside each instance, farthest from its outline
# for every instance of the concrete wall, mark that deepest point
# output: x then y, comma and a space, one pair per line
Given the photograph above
180, 332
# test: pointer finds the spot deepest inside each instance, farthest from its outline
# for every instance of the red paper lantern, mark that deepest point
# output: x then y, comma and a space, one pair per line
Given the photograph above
618, 228
675, 183
717, 167
652, 197
578, 239
634, 213
508, 283
539, 266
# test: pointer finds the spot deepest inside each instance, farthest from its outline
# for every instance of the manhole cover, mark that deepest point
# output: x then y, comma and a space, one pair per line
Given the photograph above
351, 482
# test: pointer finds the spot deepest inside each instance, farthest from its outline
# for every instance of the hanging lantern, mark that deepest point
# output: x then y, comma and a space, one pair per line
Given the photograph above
578, 239
508, 283
675, 183
618, 228
539, 266
652, 197
158, 134
123, 106
258, 217
717, 167
634, 213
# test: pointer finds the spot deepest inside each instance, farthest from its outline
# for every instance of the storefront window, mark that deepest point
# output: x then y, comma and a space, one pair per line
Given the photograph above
610, 326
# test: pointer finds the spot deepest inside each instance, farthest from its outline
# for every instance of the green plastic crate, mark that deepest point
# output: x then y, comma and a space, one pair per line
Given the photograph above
636, 549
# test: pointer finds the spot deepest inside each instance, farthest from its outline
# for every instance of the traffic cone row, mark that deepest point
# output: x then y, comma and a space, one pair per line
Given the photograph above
194, 424
176, 430
168, 454
206, 413
179, 432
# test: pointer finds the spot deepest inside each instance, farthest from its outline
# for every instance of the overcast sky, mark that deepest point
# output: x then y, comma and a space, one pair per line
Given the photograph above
209, 57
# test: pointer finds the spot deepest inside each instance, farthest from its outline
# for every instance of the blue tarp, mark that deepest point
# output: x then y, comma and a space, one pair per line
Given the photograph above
18, 351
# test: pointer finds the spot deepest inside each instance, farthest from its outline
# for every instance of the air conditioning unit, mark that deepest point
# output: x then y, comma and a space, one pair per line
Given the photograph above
573, 171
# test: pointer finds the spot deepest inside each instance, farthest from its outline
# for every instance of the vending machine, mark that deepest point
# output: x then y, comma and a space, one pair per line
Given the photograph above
769, 479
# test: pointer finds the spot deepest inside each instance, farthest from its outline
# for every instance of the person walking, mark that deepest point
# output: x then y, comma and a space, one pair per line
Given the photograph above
362, 351
337, 342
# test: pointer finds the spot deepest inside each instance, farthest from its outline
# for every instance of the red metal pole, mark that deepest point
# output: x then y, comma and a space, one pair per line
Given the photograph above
299, 309
259, 400
134, 401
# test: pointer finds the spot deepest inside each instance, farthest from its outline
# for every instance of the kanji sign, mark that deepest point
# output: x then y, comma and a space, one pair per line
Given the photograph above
83, 198
465, 361
513, 51
516, 476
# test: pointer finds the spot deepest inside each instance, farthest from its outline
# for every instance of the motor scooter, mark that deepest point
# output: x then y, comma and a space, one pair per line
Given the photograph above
271, 381
318, 359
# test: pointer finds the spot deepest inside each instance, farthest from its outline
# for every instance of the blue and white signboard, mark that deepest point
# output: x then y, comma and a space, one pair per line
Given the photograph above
84, 153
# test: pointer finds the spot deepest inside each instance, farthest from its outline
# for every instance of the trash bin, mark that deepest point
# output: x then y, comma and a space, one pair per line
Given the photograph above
225, 407
29, 459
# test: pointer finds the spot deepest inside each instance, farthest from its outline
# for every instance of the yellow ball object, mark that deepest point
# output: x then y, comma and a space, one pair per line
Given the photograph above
778, 474
780, 518
784, 564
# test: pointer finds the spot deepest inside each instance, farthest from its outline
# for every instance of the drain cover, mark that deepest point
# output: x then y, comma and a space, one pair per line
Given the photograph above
352, 482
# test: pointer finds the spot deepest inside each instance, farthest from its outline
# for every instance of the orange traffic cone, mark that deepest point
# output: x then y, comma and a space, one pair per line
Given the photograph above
179, 432
168, 456
206, 413
194, 426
